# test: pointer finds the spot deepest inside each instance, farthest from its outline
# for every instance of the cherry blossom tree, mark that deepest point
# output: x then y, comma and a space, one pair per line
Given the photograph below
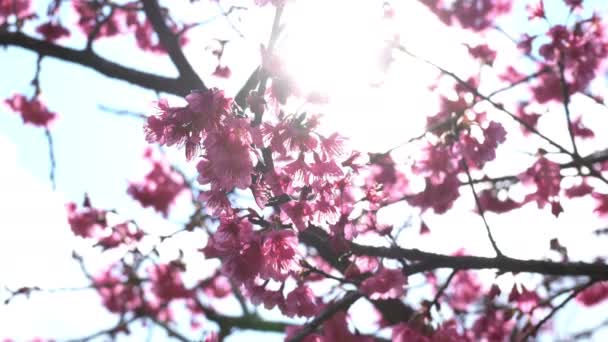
301, 231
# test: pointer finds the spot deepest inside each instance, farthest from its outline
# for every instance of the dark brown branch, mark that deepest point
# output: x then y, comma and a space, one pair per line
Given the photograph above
89, 59
170, 42
430, 261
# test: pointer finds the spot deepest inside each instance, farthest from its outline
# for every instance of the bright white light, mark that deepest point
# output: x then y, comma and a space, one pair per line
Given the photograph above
337, 47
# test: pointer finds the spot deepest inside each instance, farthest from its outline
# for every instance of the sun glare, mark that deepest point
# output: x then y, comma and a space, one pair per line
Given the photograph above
340, 48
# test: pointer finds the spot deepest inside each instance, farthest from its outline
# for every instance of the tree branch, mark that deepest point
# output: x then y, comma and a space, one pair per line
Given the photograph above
332, 309
89, 59
170, 42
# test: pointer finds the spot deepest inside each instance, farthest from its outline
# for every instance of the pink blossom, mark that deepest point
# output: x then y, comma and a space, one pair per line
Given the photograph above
88, 13
222, 72
19, 8
594, 295
386, 283
32, 111
118, 295
545, 174
188, 125
87, 221
160, 186
404, 333
580, 130
122, 233
167, 283
483, 53
227, 162
489, 201
52, 31
301, 302
465, 290
492, 325
279, 249
439, 197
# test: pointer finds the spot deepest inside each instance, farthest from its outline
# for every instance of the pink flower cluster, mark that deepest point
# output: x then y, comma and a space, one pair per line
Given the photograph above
160, 186
33, 111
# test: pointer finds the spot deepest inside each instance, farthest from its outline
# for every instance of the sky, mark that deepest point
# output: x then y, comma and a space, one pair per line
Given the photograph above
98, 152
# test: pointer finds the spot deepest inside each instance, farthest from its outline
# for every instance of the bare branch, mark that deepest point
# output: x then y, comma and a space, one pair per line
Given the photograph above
86, 58
170, 42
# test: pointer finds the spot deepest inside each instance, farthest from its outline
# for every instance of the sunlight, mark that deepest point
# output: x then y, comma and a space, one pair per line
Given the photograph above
340, 49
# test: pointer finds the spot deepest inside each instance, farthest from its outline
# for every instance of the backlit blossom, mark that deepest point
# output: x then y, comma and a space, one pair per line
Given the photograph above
32, 110
159, 188
278, 251
384, 284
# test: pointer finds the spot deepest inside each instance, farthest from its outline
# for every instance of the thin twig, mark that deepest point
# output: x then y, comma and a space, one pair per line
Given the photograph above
481, 209
49, 139
441, 290
574, 293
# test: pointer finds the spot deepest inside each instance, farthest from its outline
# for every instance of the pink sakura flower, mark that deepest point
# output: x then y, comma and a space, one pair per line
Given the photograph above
531, 119
594, 295
246, 263
88, 13
222, 72
489, 201
279, 248
299, 212
525, 43
574, 3
117, 293
580, 130
122, 233
227, 163
259, 294
536, 10
160, 187
475, 15
476, 153
218, 286
602, 203
87, 221
230, 235
52, 31
483, 53
581, 50
333, 145
32, 111
439, 197
465, 290
384, 284
492, 325
323, 169
545, 174
187, 125
578, 190
167, 283
526, 300
404, 333
19, 8
301, 302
